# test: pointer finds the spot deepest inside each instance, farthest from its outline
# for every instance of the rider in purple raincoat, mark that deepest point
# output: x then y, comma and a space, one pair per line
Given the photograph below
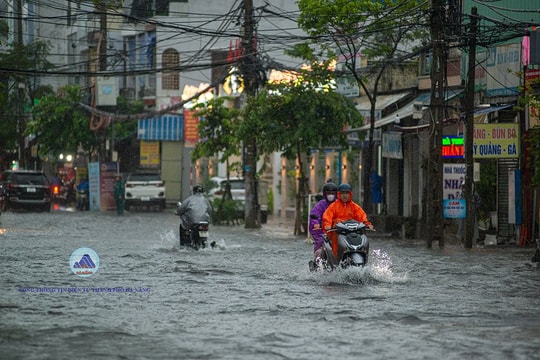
315, 219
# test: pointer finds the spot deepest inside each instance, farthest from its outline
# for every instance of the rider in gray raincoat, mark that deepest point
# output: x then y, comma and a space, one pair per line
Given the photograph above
194, 209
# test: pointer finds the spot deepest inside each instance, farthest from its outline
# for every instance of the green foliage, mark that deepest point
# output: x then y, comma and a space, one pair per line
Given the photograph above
382, 33
125, 129
4, 28
227, 212
295, 118
61, 124
16, 85
376, 30
532, 137
219, 129
533, 154
487, 187
365, 21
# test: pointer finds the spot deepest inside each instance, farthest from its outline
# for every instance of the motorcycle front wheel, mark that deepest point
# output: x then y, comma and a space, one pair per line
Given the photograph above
356, 259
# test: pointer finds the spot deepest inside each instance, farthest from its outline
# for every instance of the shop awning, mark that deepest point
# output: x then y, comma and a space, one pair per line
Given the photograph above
481, 114
407, 110
162, 127
383, 101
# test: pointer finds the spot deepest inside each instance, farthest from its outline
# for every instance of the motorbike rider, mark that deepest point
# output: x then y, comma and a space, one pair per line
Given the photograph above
194, 209
329, 192
83, 187
343, 209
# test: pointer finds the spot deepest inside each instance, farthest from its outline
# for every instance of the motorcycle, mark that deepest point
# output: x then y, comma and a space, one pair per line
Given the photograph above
353, 247
83, 202
63, 194
196, 236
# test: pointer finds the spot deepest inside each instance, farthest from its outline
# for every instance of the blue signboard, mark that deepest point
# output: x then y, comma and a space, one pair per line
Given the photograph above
454, 208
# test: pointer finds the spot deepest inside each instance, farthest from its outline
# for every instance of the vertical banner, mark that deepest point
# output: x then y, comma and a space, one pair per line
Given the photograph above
453, 175
454, 207
149, 153
93, 179
514, 197
106, 185
191, 128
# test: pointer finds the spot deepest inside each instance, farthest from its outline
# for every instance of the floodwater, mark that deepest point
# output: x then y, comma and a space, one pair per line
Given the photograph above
252, 297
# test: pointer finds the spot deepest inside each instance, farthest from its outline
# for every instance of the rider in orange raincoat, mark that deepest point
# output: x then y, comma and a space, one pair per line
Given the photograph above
341, 210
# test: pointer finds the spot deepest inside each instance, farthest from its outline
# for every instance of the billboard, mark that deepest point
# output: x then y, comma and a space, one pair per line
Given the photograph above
496, 141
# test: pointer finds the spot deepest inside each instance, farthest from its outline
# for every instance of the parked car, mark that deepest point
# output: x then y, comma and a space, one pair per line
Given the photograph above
238, 192
217, 188
25, 189
145, 189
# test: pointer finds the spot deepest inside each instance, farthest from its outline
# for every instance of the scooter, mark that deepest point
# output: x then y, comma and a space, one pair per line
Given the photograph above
196, 236
63, 194
353, 247
83, 202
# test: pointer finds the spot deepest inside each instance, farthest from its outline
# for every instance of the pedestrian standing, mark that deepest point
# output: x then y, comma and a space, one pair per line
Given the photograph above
119, 194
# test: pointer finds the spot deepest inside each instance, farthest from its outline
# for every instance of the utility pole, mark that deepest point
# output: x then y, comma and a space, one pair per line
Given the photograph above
469, 129
249, 72
433, 210
102, 51
20, 86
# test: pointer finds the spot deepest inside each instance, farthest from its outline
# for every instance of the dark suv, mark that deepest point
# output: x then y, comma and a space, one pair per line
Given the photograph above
24, 189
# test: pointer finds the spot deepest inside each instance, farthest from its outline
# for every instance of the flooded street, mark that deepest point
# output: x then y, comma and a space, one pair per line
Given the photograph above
253, 297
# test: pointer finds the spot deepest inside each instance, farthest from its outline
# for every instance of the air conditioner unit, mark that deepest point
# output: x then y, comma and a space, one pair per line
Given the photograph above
418, 110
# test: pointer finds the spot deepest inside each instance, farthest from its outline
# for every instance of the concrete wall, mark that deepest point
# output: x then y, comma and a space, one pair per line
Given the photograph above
172, 169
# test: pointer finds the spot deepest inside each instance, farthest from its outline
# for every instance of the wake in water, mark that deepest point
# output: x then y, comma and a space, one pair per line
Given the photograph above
379, 269
168, 241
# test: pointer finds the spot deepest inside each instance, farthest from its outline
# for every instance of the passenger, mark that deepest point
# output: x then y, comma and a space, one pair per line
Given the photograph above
329, 192
343, 209
193, 210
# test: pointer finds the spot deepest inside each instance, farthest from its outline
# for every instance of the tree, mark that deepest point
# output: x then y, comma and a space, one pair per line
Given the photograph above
219, 127
379, 31
18, 65
294, 118
61, 124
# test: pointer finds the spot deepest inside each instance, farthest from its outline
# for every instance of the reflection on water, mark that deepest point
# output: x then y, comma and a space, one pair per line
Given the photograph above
253, 297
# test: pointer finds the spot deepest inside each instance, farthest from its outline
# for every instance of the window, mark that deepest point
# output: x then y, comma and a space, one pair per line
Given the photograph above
171, 75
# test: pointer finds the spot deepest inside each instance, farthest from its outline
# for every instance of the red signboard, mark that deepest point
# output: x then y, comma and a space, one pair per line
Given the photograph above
191, 128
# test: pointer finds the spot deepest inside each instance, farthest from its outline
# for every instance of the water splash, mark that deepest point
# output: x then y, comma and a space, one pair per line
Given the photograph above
380, 268
219, 244
168, 240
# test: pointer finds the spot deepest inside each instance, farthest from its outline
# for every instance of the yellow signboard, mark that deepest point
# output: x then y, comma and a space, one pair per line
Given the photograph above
149, 153
496, 140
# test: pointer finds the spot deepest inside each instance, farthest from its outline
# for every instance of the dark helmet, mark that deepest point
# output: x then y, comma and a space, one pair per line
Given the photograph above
345, 188
329, 187
198, 189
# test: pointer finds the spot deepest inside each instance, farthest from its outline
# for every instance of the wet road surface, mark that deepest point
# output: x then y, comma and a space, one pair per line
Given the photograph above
252, 297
